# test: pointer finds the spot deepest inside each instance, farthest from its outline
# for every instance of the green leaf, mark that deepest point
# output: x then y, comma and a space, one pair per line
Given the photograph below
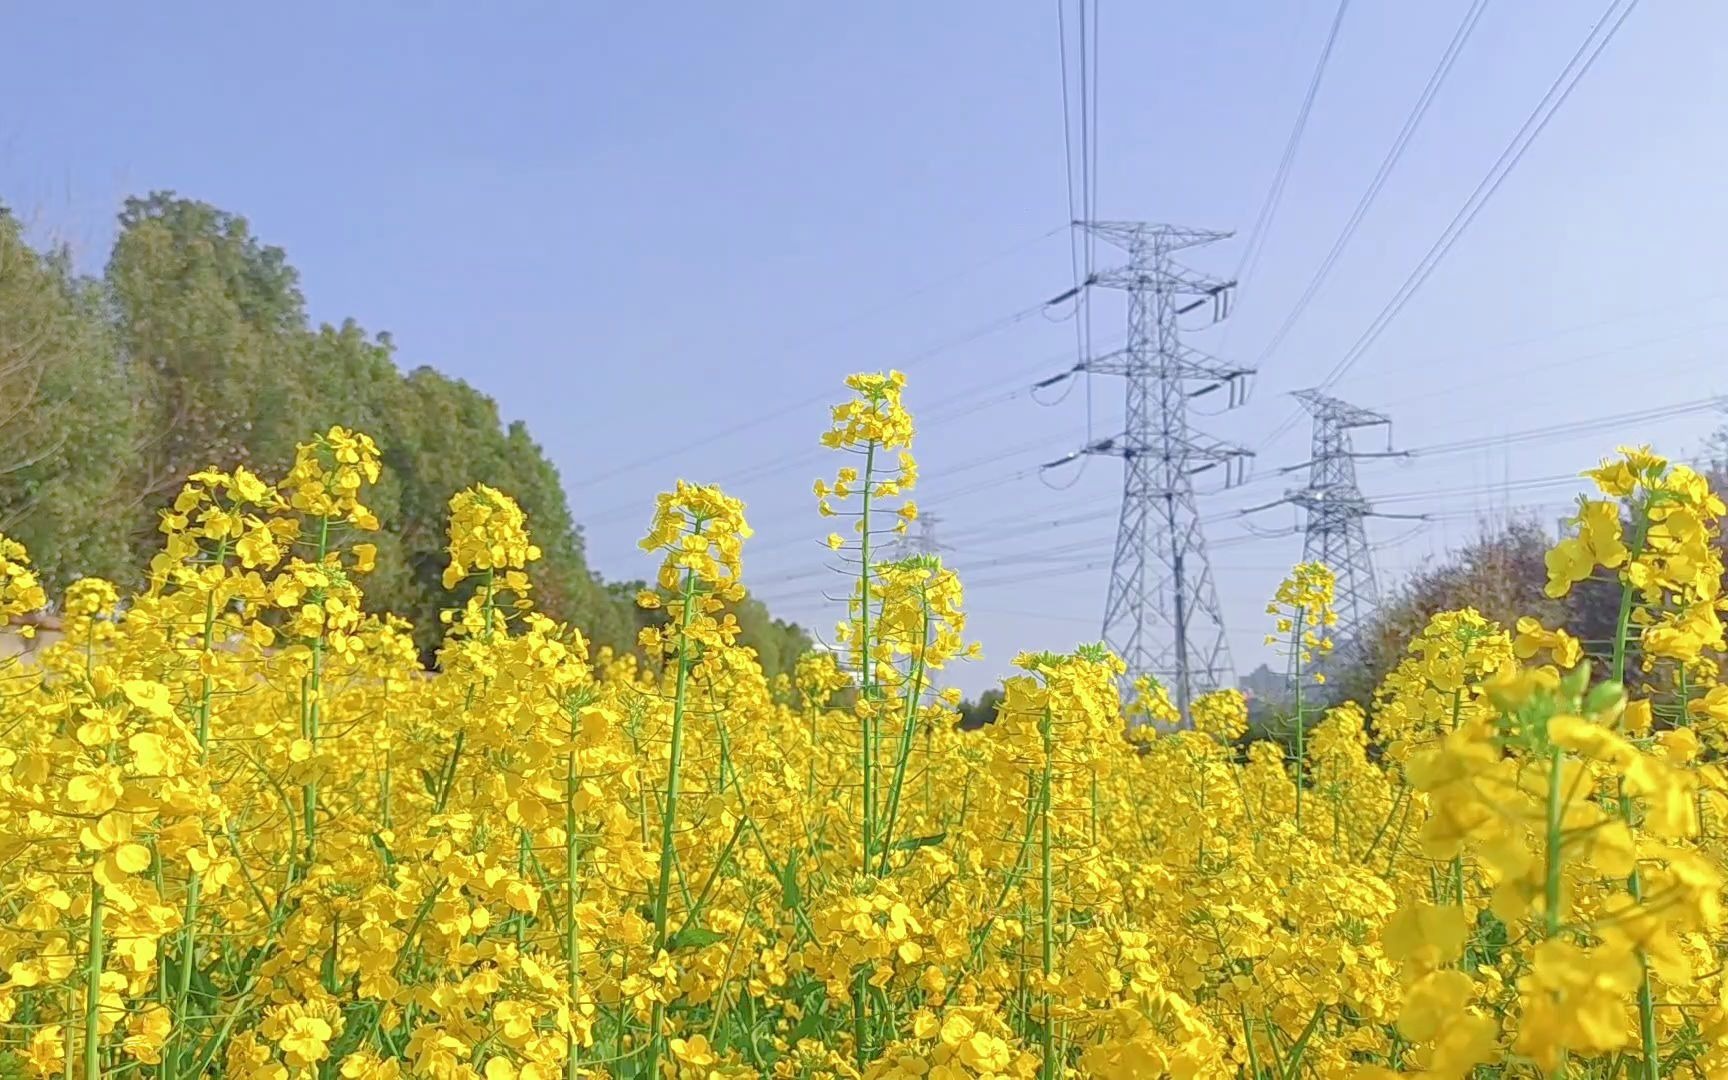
790, 895
913, 843
694, 937
809, 1026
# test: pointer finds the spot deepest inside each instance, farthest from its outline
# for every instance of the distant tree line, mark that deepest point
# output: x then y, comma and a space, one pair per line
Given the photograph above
194, 349
1502, 574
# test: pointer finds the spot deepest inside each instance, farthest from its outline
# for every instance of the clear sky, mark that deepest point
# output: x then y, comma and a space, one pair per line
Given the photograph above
659, 232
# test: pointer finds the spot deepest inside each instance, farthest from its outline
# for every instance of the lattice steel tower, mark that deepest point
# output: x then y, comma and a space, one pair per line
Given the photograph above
1334, 533
1162, 614
924, 541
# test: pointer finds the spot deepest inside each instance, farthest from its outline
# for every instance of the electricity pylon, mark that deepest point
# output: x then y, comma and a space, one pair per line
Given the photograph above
924, 542
1162, 615
1334, 532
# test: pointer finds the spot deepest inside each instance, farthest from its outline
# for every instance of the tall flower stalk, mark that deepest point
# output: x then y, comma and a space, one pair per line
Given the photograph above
1303, 608
700, 533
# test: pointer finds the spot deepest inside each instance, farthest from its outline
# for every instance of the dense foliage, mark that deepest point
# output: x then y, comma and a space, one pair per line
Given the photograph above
1502, 573
243, 834
193, 351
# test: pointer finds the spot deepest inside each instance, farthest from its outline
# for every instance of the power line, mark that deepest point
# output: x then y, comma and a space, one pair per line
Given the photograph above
1558, 92
1070, 551
1549, 432
1572, 427
1059, 556
1531, 483
1087, 619
1110, 508
1088, 555
987, 328
1281, 176
1074, 213
1552, 432
782, 464
1081, 244
1459, 386
1412, 121
1097, 564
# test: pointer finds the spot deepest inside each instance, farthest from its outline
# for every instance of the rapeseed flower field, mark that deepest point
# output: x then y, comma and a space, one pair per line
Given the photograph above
244, 834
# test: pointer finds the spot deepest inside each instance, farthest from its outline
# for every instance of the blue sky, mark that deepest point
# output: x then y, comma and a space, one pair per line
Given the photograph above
642, 227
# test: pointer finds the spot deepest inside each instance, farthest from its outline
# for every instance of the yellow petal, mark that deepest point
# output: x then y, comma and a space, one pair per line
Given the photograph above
132, 858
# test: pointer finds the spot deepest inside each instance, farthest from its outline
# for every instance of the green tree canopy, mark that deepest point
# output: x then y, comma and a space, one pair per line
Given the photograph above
66, 423
195, 350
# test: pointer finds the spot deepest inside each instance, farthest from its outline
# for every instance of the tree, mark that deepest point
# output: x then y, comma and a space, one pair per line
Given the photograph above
1502, 575
64, 414
778, 644
206, 318
213, 323
195, 351
976, 714
442, 435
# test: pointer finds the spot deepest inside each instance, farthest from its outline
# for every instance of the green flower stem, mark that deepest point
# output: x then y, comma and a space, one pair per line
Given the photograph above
1555, 864
903, 756
572, 936
669, 815
1254, 1071
730, 776
1301, 750
700, 900
810, 767
867, 744
68, 1053
384, 789
522, 861
1047, 931
194, 882
206, 686
866, 665
1635, 883
447, 782
860, 1039
446, 785
1016, 874
93, 985
311, 713
1457, 860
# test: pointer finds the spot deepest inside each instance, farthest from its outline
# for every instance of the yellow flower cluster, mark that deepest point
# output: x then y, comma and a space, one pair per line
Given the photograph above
701, 530
20, 592
871, 424
1540, 803
817, 678
1303, 611
873, 417
489, 534
327, 476
1665, 551
1222, 714
243, 833
1151, 704
1438, 684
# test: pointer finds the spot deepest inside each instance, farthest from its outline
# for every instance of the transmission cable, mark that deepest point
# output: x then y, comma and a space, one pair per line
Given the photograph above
988, 328
1281, 176
1558, 92
1412, 121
